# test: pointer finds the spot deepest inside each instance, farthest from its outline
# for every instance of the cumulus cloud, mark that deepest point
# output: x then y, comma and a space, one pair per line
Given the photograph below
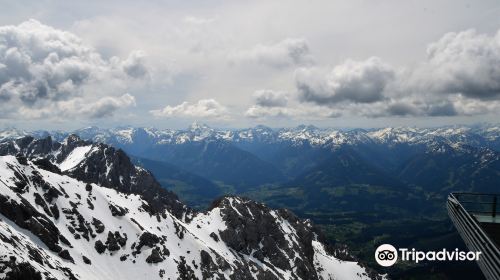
402, 109
289, 52
269, 103
205, 108
262, 112
442, 108
274, 104
352, 81
466, 63
43, 68
270, 98
79, 107
414, 106
459, 76
135, 65
49, 73
103, 107
297, 111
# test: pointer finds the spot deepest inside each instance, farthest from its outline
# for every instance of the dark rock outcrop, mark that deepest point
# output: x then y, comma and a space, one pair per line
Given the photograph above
155, 257
260, 232
27, 217
105, 166
147, 239
100, 247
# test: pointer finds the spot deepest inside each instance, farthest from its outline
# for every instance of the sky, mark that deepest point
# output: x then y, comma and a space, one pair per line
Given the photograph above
68, 64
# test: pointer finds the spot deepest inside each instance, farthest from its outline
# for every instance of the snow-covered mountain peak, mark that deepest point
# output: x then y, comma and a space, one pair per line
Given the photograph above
304, 127
198, 126
11, 133
396, 134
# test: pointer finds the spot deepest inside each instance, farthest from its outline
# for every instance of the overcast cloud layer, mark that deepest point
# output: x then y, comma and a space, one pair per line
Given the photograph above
334, 63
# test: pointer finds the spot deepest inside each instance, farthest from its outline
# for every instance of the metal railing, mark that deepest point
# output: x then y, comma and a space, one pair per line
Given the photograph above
479, 203
471, 230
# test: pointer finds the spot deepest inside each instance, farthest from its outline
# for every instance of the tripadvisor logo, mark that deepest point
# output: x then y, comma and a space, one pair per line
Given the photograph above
387, 255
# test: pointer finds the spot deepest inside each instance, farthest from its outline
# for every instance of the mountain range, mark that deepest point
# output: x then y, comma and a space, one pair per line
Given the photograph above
76, 209
209, 162
362, 187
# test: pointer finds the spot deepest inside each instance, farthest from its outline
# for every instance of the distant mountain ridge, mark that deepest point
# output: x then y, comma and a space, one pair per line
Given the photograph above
235, 160
302, 134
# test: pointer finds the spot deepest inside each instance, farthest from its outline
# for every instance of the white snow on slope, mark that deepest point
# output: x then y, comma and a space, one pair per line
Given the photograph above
24, 240
11, 133
334, 269
75, 157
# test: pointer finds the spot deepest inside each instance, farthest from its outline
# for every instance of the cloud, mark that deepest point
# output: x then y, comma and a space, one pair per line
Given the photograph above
405, 107
459, 76
103, 107
205, 108
413, 106
274, 104
402, 109
135, 65
42, 67
298, 111
79, 107
469, 106
50, 73
289, 52
352, 81
198, 20
264, 111
440, 109
466, 63
270, 98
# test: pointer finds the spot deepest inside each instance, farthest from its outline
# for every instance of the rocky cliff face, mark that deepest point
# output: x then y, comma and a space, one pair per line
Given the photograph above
78, 210
95, 163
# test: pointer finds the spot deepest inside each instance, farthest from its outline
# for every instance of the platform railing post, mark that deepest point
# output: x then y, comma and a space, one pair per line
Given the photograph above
494, 210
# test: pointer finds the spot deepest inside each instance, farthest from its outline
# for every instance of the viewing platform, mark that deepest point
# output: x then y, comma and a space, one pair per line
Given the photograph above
476, 216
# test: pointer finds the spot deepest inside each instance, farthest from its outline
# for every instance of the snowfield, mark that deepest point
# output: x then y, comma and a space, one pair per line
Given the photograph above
75, 157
